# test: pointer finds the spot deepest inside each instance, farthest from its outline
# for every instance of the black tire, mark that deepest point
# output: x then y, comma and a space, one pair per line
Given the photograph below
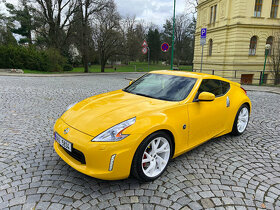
235, 131
136, 168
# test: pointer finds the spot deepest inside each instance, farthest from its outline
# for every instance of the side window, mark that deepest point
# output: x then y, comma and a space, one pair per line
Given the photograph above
225, 86
211, 86
217, 87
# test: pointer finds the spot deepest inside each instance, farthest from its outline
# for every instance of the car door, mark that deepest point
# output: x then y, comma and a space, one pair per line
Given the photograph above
207, 118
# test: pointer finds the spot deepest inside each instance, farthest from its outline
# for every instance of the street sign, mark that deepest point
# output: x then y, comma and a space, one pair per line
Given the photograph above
145, 44
203, 41
165, 47
144, 50
203, 33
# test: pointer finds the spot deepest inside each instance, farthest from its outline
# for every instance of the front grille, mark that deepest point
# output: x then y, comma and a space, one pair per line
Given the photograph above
77, 155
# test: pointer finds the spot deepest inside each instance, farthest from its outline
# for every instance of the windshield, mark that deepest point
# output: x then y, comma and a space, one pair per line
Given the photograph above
162, 86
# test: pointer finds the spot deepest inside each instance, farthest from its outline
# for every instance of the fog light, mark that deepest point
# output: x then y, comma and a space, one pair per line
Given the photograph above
112, 162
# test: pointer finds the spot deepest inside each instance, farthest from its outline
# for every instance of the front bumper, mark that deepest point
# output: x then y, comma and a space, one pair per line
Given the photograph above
97, 155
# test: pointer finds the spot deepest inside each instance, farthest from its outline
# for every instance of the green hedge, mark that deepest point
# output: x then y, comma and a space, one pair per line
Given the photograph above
19, 57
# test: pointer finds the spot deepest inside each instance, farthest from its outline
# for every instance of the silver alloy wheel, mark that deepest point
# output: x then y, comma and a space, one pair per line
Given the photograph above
155, 157
243, 119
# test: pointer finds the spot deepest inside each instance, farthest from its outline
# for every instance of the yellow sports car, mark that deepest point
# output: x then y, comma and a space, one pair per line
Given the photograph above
138, 129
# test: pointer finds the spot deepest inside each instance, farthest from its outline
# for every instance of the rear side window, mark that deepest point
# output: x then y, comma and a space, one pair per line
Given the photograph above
217, 87
225, 86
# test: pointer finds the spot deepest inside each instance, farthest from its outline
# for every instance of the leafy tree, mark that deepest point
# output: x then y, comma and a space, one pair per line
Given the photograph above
24, 17
6, 36
153, 39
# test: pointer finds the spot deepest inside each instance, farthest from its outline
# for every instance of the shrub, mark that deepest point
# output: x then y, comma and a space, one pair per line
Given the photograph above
55, 60
20, 57
67, 67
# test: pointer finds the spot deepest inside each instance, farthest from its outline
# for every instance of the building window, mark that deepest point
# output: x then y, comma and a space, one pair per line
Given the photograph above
253, 45
210, 47
258, 8
274, 8
213, 14
270, 41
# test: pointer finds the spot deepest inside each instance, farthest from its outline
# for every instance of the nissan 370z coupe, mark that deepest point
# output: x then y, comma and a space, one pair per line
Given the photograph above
138, 129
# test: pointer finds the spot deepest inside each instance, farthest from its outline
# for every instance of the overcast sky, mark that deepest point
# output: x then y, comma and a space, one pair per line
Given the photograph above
155, 11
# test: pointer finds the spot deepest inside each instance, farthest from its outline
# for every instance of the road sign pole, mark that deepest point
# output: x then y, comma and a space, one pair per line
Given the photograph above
148, 58
172, 49
202, 43
201, 58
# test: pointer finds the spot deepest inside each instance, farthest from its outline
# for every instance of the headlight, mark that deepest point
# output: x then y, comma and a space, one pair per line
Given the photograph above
69, 107
115, 133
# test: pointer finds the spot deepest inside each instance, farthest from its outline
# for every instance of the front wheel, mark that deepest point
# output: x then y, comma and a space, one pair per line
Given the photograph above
152, 157
241, 120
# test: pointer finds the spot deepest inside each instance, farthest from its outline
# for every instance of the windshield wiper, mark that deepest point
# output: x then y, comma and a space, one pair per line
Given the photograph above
141, 94
126, 90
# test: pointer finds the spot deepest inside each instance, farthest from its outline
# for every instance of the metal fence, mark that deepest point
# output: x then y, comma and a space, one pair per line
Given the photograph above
241, 76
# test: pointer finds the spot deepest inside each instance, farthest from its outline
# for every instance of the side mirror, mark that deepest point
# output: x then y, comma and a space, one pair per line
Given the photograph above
206, 96
130, 82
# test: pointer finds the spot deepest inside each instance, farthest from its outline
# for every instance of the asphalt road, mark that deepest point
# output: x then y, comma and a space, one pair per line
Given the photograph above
225, 173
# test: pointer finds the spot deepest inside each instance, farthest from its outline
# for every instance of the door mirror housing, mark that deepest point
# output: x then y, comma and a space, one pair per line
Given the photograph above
206, 96
130, 82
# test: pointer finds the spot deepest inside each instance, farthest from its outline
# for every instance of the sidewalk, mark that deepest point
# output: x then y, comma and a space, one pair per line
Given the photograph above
262, 88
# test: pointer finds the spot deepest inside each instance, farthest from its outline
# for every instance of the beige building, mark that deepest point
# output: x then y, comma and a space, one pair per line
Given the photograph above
237, 32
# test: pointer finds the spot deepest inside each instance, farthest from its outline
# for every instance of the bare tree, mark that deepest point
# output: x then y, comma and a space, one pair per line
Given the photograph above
54, 19
133, 35
274, 60
85, 12
184, 37
192, 6
107, 34
128, 28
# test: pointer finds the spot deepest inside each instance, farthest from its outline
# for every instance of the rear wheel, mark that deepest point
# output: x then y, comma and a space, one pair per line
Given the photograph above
241, 120
152, 157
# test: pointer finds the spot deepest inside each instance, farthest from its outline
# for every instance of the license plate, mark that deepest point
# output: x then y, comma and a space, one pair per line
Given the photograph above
62, 142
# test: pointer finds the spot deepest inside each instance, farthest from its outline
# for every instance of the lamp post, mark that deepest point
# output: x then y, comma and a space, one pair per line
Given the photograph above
172, 49
267, 48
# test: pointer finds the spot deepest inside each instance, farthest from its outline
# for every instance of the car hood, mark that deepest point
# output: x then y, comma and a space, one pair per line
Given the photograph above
98, 113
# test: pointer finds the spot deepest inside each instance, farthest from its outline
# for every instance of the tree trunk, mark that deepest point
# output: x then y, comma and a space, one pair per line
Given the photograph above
85, 63
102, 66
85, 55
103, 61
277, 79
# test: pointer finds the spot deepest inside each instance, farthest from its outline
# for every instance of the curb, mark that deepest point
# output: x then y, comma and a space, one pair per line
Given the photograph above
275, 90
68, 74
264, 91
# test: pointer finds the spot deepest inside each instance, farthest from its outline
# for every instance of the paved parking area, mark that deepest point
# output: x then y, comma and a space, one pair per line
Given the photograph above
224, 173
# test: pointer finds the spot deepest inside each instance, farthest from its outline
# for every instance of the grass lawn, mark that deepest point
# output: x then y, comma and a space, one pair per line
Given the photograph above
132, 67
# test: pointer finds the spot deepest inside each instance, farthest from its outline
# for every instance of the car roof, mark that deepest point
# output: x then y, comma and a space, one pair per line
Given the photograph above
191, 74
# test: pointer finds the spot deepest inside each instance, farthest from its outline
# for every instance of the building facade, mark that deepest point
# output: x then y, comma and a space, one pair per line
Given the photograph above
237, 32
